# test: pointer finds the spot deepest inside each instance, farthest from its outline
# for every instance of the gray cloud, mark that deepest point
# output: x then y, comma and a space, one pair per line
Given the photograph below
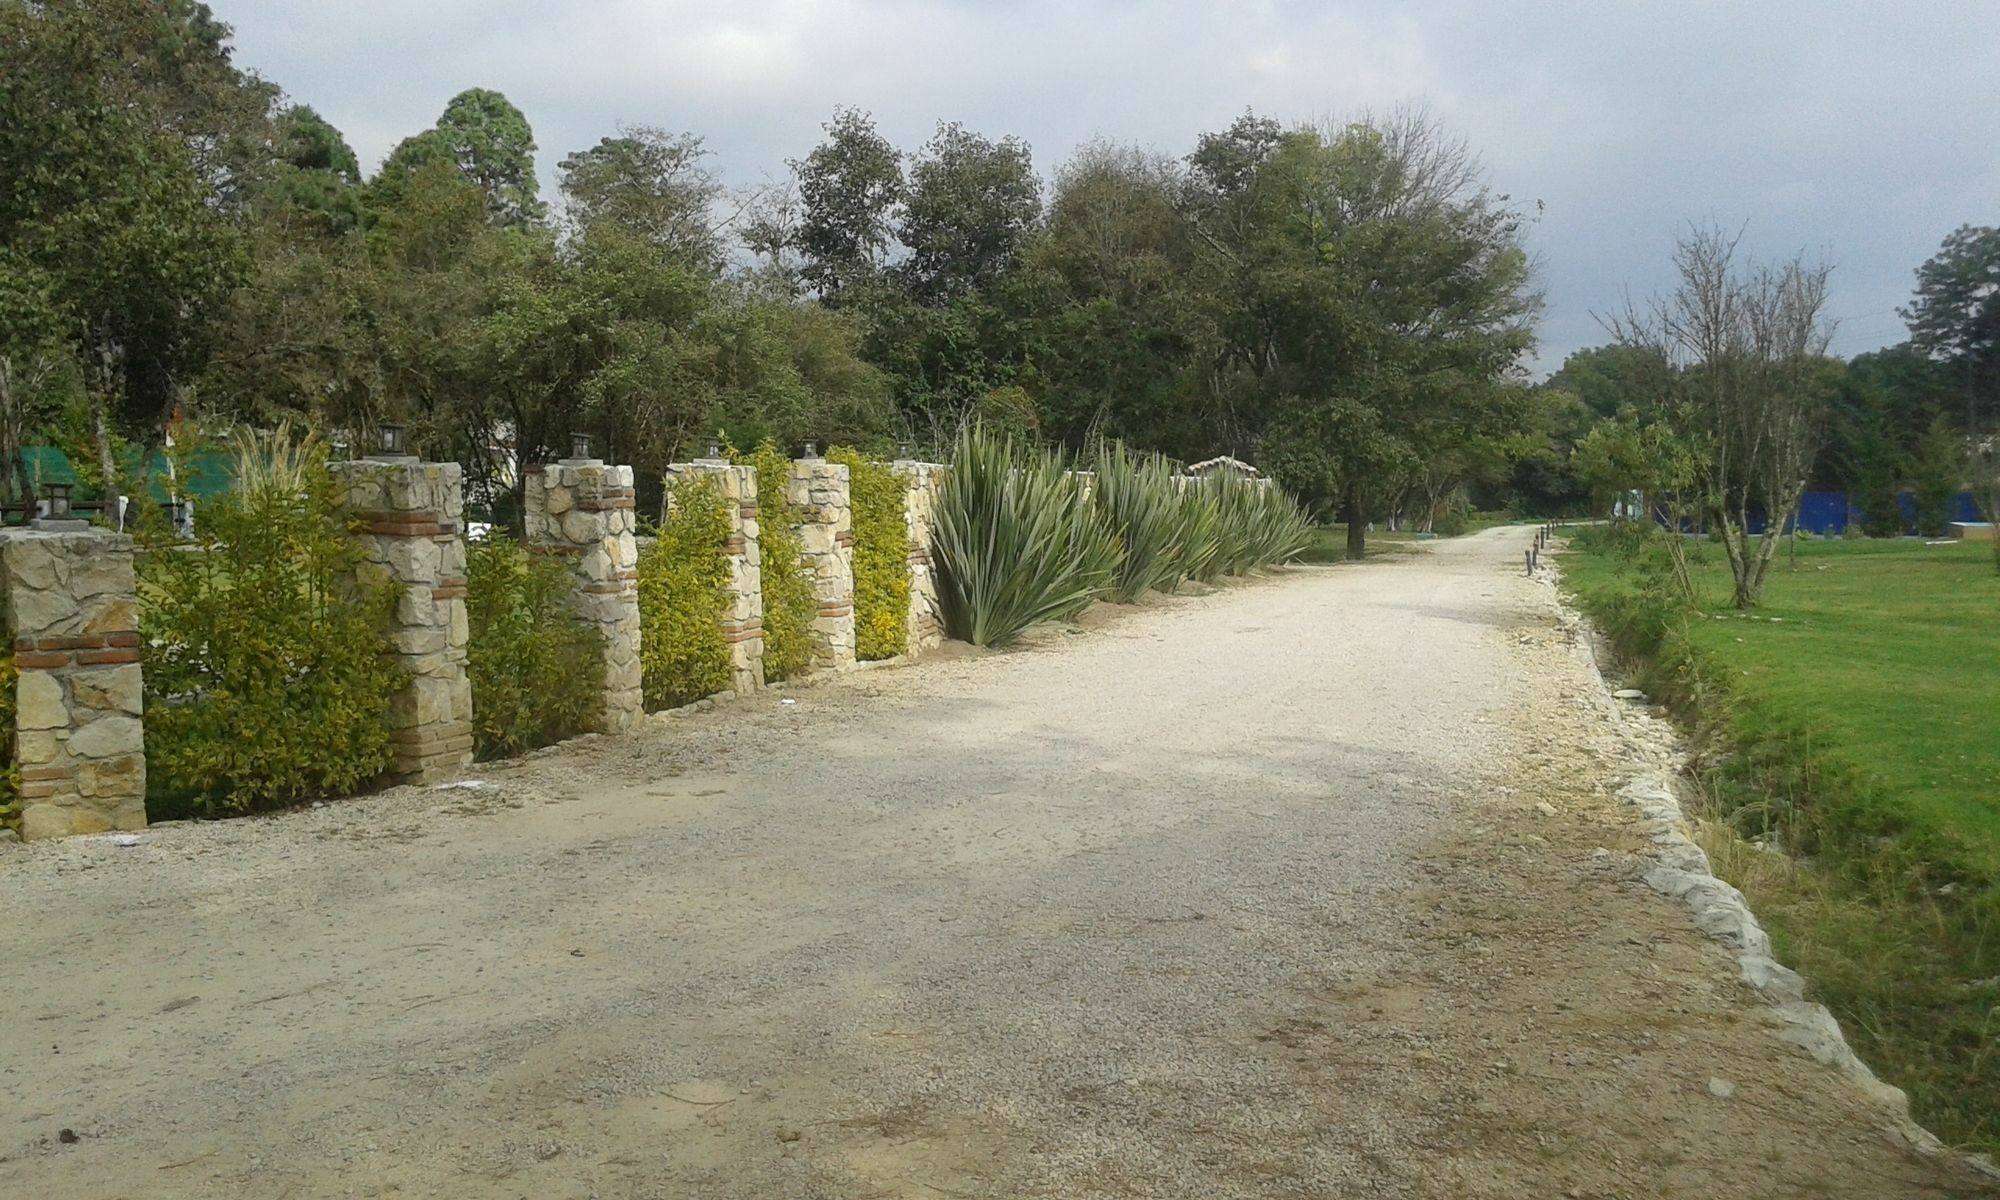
1850, 127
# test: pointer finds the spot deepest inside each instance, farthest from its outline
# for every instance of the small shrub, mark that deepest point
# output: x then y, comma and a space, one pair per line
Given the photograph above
267, 680
790, 601
10, 770
534, 663
683, 596
881, 558
1017, 541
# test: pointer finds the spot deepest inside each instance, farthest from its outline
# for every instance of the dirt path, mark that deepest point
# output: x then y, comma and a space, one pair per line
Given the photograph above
1238, 896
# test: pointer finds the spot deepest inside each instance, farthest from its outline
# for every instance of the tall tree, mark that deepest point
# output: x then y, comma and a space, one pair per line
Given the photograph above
489, 141
848, 188
1955, 318
969, 202
654, 185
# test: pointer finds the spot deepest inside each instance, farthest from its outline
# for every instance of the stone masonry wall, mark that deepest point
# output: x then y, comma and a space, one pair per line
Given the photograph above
78, 737
583, 510
743, 614
818, 492
410, 525
920, 484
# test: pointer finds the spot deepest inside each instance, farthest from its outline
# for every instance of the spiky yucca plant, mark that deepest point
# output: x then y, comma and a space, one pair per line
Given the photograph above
1200, 531
1142, 505
1016, 541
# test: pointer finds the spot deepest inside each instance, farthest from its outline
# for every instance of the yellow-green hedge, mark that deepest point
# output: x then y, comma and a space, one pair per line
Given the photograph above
10, 771
683, 596
881, 558
529, 653
790, 602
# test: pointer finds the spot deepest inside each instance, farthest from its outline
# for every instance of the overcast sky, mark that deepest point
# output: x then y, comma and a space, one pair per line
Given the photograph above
1863, 129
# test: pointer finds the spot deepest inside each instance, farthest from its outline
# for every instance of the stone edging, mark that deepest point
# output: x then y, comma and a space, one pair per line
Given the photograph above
1680, 869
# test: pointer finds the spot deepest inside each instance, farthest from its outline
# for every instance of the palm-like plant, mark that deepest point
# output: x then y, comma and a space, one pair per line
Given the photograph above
1142, 505
1016, 541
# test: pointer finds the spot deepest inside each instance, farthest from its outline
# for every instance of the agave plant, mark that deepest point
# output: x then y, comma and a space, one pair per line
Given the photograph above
1200, 539
1016, 541
1142, 505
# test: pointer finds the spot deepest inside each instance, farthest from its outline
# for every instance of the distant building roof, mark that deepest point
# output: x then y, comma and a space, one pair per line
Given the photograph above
1221, 462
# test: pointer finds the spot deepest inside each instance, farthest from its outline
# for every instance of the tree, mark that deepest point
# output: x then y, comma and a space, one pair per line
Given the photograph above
968, 204
653, 185
489, 141
1744, 348
1372, 298
1955, 318
848, 186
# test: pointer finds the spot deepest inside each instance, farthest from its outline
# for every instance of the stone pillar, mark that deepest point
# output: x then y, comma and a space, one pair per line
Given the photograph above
583, 510
409, 519
920, 484
78, 738
743, 614
819, 495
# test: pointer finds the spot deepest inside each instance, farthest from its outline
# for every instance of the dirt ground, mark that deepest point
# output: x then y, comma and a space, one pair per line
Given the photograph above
1241, 895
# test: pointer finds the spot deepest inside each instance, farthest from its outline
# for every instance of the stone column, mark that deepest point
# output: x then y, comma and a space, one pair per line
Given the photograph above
583, 510
409, 521
743, 614
818, 492
920, 484
78, 738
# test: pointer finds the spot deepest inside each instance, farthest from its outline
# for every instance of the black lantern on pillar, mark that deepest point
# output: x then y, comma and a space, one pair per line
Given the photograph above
714, 448
392, 438
906, 451
812, 449
579, 445
58, 497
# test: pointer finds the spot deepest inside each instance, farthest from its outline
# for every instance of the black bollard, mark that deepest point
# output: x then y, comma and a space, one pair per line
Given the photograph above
1530, 556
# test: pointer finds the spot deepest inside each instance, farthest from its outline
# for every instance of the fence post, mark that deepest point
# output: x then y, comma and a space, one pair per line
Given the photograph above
409, 523
743, 613
920, 484
820, 493
583, 511
72, 612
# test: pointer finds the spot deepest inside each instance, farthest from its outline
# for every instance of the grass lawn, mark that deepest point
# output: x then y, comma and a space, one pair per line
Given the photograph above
1886, 654
1329, 543
1857, 712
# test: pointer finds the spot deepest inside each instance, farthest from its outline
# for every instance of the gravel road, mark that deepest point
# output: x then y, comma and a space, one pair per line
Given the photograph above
1240, 895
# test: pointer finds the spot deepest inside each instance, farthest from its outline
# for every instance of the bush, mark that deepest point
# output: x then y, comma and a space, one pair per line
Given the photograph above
267, 676
1257, 525
881, 558
531, 657
790, 601
1142, 505
1201, 531
10, 770
683, 597
1017, 541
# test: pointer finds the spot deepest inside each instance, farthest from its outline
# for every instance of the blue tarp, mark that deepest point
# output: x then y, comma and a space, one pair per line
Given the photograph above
1828, 514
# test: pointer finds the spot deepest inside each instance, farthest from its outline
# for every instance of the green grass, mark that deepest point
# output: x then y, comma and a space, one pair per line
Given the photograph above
1329, 544
1852, 719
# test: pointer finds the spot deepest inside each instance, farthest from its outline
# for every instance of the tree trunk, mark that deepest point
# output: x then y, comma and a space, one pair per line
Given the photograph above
107, 468
1357, 525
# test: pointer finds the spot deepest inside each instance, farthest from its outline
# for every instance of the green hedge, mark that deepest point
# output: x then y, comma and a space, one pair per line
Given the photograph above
683, 597
881, 558
790, 602
531, 657
267, 680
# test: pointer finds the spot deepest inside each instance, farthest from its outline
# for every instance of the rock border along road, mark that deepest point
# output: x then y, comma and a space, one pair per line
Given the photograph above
1314, 887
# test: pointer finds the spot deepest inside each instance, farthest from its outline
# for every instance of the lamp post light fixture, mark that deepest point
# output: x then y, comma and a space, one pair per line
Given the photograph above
579, 446
812, 450
714, 448
392, 439
58, 496
906, 451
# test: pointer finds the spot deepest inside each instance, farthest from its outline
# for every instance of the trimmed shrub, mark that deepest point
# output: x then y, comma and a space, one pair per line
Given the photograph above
1142, 504
881, 558
267, 676
533, 661
790, 601
1017, 541
683, 596
10, 770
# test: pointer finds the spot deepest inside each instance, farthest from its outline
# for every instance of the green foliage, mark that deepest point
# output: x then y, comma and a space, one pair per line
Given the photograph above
881, 557
1141, 502
1200, 536
1016, 540
683, 598
530, 655
267, 676
790, 600
1937, 474
10, 770
485, 139
1258, 525
847, 186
